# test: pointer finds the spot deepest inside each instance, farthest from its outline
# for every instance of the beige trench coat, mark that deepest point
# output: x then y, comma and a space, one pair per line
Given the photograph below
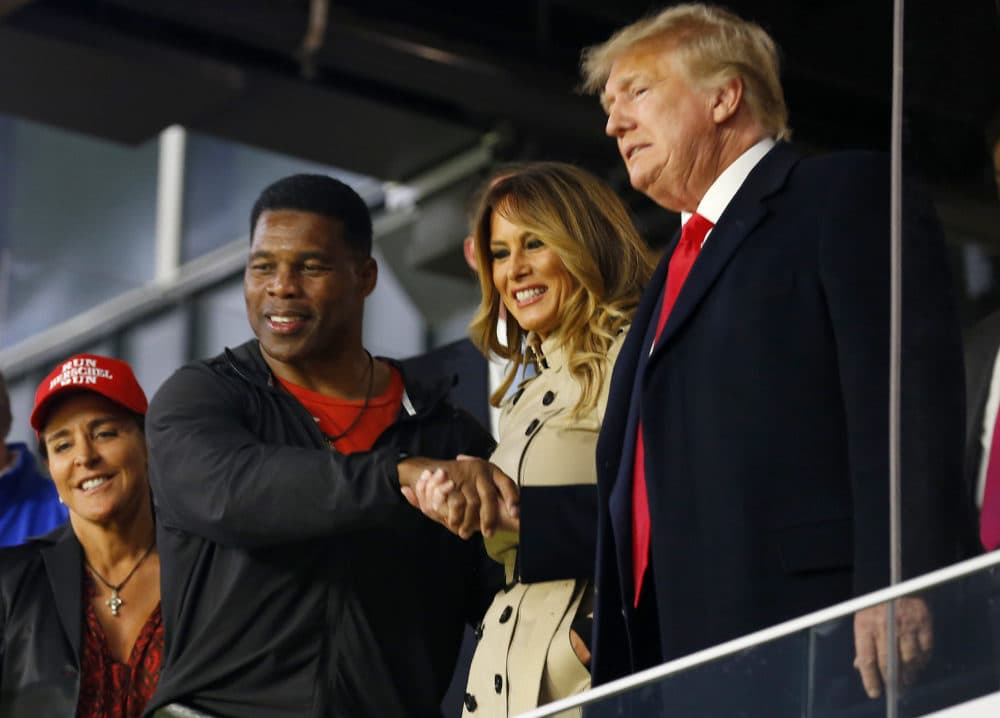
524, 657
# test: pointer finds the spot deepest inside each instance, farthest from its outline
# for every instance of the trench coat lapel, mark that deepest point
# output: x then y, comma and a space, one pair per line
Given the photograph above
64, 566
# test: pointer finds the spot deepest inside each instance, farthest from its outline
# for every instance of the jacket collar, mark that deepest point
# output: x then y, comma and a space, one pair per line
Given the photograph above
63, 559
420, 396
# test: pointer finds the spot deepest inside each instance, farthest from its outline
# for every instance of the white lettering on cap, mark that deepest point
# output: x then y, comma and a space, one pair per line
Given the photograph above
80, 372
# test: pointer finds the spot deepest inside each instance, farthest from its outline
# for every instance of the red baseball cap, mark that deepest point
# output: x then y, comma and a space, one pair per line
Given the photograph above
109, 377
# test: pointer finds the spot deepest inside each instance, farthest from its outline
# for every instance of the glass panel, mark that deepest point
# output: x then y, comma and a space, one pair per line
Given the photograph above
221, 319
106, 346
77, 222
222, 181
951, 126
952, 121
394, 327
810, 674
22, 399
157, 346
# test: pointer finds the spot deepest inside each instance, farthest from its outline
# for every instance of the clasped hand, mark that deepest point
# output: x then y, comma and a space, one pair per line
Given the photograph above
465, 495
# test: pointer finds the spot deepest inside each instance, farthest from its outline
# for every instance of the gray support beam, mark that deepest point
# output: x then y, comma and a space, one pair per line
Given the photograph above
170, 203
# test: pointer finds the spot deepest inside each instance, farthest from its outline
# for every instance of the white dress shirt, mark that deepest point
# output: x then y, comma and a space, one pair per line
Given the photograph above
986, 429
721, 192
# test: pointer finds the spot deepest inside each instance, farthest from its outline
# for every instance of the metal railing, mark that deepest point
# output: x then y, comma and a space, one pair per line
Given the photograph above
766, 635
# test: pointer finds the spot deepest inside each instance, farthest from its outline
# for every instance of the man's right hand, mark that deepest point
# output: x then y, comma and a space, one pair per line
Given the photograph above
914, 642
481, 497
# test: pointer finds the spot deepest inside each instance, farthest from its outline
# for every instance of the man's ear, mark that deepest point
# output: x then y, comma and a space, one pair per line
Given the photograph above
726, 100
368, 273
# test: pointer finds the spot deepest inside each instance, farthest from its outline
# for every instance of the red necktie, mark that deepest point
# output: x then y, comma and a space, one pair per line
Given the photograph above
989, 515
692, 237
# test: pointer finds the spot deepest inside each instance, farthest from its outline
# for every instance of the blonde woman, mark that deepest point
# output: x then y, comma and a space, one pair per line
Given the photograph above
557, 249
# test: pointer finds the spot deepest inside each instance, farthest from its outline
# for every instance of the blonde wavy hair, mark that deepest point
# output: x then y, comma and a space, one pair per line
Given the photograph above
713, 46
587, 226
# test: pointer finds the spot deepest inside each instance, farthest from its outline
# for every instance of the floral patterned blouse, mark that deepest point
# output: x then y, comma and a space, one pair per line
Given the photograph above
109, 688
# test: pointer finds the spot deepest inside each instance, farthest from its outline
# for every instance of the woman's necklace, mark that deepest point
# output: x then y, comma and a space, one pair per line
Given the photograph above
368, 395
115, 603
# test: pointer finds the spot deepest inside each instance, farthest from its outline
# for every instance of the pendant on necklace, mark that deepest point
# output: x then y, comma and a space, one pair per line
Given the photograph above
115, 603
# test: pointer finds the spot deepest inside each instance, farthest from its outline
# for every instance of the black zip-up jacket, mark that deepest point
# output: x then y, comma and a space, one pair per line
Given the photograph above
41, 626
296, 581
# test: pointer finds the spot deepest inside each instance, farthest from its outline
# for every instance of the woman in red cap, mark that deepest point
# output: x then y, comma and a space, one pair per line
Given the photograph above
80, 627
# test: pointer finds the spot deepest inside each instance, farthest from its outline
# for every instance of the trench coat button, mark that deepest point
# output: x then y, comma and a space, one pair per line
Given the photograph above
498, 683
470, 703
531, 427
505, 614
548, 398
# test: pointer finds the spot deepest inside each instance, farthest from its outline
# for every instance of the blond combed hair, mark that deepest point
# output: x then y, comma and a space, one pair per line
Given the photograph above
587, 226
713, 46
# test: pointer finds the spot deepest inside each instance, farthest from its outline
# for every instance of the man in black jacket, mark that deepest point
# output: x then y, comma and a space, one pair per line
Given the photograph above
296, 580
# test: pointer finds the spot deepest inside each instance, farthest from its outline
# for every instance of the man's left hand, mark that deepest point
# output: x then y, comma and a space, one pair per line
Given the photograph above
914, 634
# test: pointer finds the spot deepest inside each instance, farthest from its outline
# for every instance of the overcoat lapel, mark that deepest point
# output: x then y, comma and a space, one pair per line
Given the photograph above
745, 211
616, 443
64, 566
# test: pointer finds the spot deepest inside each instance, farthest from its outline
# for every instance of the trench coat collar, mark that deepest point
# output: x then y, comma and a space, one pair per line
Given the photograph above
550, 354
